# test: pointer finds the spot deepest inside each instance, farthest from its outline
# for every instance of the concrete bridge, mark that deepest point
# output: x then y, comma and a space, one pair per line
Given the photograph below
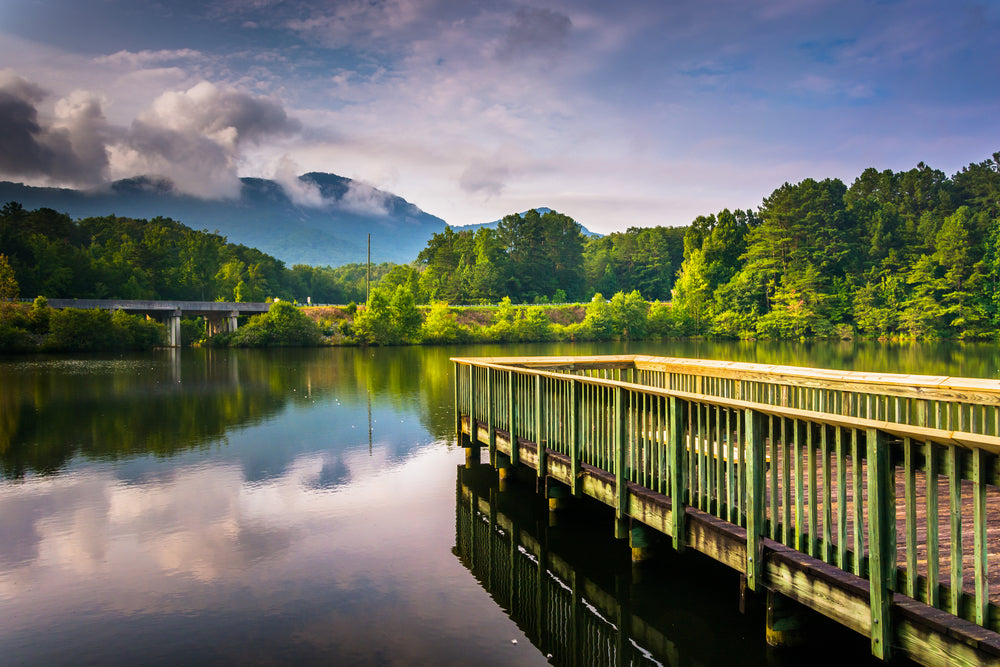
220, 316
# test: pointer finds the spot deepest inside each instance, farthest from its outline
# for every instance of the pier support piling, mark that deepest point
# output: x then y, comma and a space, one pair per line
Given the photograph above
784, 621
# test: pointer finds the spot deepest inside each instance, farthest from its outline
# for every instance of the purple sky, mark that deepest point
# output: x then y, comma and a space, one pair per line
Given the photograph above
618, 114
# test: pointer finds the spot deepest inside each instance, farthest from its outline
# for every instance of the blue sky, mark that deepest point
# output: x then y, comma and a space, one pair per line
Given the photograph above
620, 114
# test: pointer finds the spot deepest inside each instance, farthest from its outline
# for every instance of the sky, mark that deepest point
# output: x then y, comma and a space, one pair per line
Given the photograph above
632, 113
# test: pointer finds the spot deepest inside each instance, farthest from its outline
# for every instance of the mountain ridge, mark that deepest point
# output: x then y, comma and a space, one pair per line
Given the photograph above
321, 219
330, 230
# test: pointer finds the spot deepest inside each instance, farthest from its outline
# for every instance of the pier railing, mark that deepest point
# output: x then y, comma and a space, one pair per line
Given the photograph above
872, 498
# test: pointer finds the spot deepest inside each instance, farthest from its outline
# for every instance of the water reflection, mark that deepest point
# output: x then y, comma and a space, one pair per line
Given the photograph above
54, 410
575, 594
284, 506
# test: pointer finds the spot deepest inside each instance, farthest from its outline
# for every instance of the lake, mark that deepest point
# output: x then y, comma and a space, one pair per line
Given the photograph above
306, 507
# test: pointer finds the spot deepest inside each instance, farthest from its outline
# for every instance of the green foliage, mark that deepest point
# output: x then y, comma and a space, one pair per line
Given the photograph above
440, 326
192, 330
526, 258
599, 321
513, 324
78, 330
283, 325
389, 317
896, 254
9, 289
628, 312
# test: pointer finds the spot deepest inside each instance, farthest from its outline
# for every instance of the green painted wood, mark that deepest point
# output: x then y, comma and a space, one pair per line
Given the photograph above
458, 411
515, 450
575, 415
731, 515
813, 532
539, 440
491, 414
827, 552
636, 446
755, 426
692, 455
787, 534
621, 453
841, 499
719, 459
677, 452
881, 540
955, 512
981, 598
472, 404
799, 487
933, 571
741, 477
857, 503
910, 512
773, 470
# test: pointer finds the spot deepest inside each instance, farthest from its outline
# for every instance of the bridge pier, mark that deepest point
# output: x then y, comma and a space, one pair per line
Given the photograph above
174, 328
221, 323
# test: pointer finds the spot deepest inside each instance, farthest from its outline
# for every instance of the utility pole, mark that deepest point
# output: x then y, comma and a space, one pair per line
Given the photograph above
368, 272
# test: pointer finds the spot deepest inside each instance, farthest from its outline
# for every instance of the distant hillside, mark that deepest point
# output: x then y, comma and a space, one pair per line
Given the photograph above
331, 230
541, 209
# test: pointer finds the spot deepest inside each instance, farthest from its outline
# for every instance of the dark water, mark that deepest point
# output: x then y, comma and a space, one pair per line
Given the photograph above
303, 507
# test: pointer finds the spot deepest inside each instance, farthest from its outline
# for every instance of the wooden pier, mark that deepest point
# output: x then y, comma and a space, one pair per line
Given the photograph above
870, 498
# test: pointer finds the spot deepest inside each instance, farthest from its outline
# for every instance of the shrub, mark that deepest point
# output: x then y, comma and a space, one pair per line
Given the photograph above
440, 326
15, 339
283, 325
78, 330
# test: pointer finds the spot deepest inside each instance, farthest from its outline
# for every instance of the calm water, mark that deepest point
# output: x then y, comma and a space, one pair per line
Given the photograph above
300, 507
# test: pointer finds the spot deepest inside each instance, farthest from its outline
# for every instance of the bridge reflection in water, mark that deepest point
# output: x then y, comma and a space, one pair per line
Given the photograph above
576, 595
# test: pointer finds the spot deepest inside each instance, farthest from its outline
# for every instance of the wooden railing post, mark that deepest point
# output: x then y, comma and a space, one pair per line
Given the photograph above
540, 445
881, 540
677, 451
515, 453
620, 451
574, 437
458, 411
473, 435
491, 415
756, 431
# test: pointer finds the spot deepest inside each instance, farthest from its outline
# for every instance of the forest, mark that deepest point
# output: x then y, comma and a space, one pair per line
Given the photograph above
899, 255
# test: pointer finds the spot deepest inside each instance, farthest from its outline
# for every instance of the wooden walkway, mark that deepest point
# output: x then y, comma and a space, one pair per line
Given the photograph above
873, 499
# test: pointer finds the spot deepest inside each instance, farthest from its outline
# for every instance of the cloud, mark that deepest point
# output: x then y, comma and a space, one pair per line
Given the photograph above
66, 148
363, 198
484, 176
304, 193
535, 32
145, 58
194, 138
356, 22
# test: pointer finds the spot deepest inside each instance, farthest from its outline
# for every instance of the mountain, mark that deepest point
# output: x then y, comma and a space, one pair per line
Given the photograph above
493, 225
331, 229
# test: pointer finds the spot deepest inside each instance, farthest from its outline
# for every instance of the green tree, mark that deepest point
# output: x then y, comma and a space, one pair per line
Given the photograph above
629, 311
692, 292
9, 290
440, 325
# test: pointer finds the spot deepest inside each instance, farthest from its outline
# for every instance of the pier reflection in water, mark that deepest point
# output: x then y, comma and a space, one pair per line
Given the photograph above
574, 592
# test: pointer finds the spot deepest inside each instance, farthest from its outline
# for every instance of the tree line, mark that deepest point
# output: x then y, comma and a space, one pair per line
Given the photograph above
911, 254
124, 258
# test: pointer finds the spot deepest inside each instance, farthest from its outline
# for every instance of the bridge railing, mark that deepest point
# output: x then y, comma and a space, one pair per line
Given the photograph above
893, 479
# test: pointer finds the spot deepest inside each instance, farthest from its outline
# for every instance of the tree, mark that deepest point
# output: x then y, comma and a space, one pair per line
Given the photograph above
440, 326
9, 290
628, 311
692, 292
